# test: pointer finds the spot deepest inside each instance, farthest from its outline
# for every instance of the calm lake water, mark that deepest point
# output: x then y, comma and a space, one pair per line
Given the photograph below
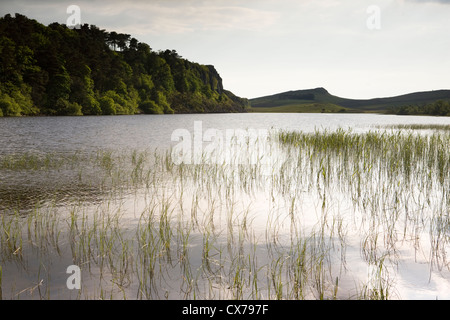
28, 175
86, 134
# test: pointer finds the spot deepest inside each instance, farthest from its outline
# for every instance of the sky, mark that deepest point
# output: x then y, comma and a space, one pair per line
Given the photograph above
357, 49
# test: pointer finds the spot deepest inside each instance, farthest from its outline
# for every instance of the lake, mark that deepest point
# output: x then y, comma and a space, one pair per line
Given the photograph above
85, 134
354, 207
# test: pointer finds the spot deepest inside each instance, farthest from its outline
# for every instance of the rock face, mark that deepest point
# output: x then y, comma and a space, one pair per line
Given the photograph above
215, 81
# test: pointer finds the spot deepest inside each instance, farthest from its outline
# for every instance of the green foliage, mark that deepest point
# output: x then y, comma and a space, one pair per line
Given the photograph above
150, 107
9, 106
23, 98
74, 109
438, 108
107, 105
144, 85
82, 91
15, 101
157, 106
303, 108
55, 70
125, 103
66, 108
58, 90
161, 100
91, 106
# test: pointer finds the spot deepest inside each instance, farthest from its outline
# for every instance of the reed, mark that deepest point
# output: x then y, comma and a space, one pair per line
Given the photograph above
156, 230
442, 127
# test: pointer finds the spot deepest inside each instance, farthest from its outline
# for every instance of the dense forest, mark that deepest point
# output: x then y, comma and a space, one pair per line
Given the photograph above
438, 108
56, 70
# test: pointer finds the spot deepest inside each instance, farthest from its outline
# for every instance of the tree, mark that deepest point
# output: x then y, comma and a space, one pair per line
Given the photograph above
58, 88
56, 70
107, 105
9, 106
150, 107
123, 40
112, 39
134, 44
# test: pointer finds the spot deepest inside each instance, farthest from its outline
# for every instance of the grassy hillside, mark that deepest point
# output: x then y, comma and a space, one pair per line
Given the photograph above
320, 100
303, 108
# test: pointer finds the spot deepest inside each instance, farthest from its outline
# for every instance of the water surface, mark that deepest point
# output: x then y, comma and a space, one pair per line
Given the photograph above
108, 164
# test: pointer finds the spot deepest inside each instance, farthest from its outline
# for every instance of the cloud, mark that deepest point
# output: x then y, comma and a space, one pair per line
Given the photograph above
299, 43
185, 19
431, 1
161, 17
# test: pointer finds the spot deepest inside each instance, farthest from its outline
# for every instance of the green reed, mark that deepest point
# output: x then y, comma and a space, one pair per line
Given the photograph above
214, 230
442, 127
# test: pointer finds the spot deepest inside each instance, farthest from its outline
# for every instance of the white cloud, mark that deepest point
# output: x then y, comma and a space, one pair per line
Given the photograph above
170, 17
257, 45
207, 18
159, 17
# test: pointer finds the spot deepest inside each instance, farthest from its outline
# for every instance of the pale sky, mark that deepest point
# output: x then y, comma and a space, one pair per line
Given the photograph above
353, 48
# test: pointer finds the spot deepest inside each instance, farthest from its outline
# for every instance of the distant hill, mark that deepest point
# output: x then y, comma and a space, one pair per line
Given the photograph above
320, 100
